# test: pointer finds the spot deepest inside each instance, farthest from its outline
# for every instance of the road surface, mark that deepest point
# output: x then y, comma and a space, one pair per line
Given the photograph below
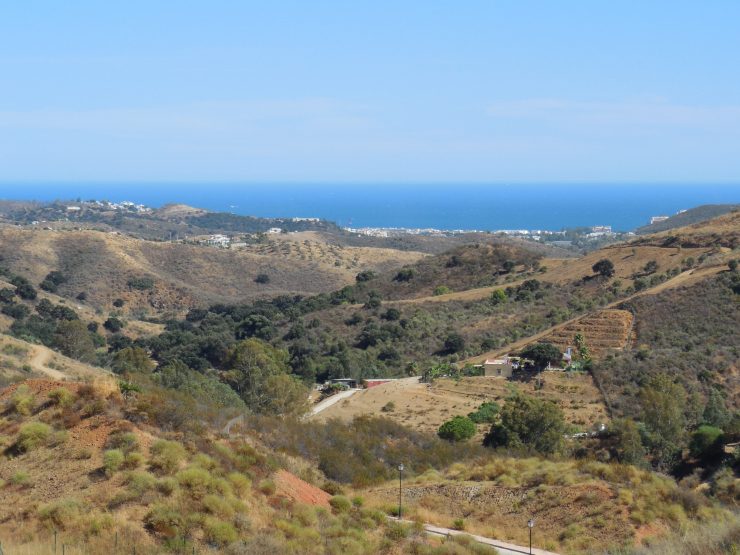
326, 403
504, 548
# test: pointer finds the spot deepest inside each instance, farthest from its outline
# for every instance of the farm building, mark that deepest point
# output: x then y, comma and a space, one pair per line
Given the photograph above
503, 367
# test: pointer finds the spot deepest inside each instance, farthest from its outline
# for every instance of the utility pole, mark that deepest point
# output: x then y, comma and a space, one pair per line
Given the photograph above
400, 485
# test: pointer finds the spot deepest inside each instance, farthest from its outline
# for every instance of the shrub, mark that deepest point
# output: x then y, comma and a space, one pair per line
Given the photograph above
458, 524
61, 397
196, 480
112, 461
125, 441
239, 482
33, 434
164, 520
141, 283
340, 504
167, 486
218, 532
139, 482
486, 413
133, 460
63, 513
390, 406
218, 506
22, 400
366, 275
262, 278
441, 290
459, 428
166, 456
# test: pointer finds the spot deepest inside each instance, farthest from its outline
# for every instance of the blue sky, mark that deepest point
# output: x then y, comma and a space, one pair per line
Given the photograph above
411, 91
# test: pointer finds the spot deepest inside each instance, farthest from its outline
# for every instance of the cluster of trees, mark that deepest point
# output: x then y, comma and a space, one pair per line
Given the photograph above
524, 423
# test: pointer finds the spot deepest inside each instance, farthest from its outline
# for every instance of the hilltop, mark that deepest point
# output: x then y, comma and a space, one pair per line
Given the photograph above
179, 276
688, 217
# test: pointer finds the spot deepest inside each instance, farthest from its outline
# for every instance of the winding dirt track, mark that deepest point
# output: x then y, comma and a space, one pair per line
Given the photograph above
38, 361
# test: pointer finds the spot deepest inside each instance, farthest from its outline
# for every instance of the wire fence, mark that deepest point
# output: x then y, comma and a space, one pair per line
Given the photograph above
110, 544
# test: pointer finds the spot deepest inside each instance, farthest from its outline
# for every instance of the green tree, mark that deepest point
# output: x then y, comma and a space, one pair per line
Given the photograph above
485, 413
627, 444
252, 367
706, 442
498, 296
132, 360
113, 325
525, 421
582, 349
459, 428
604, 267
663, 401
543, 354
23, 288
651, 267
454, 343
73, 339
366, 275
405, 274
715, 411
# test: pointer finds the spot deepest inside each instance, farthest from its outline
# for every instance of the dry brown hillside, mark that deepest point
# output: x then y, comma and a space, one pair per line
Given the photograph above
102, 264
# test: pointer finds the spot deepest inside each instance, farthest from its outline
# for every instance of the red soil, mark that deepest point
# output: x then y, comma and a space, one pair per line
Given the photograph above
291, 486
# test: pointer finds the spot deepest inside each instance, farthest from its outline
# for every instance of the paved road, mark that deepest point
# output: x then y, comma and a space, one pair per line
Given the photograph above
502, 547
326, 403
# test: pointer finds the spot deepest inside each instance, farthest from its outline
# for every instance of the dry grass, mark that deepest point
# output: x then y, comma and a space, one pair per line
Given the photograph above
425, 407
100, 264
579, 507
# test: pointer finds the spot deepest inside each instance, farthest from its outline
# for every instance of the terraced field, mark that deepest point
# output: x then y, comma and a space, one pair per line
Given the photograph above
603, 331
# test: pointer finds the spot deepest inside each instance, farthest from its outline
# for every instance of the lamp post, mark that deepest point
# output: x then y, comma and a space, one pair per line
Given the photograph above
530, 525
400, 479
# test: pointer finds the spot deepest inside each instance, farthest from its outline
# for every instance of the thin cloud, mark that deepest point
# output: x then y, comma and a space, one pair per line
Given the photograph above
642, 112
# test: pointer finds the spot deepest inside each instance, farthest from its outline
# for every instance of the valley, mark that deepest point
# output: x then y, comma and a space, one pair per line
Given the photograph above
123, 358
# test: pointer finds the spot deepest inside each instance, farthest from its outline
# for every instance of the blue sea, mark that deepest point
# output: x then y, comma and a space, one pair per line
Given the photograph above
451, 206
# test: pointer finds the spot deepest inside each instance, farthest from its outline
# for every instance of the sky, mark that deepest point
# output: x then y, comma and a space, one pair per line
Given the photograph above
370, 91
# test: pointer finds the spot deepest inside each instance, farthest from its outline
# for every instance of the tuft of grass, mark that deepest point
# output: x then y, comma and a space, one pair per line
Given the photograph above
21, 478
167, 456
197, 481
22, 400
61, 397
112, 461
267, 487
62, 514
218, 532
32, 435
340, 504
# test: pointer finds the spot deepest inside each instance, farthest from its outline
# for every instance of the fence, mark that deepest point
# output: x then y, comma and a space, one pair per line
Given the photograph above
111, 544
